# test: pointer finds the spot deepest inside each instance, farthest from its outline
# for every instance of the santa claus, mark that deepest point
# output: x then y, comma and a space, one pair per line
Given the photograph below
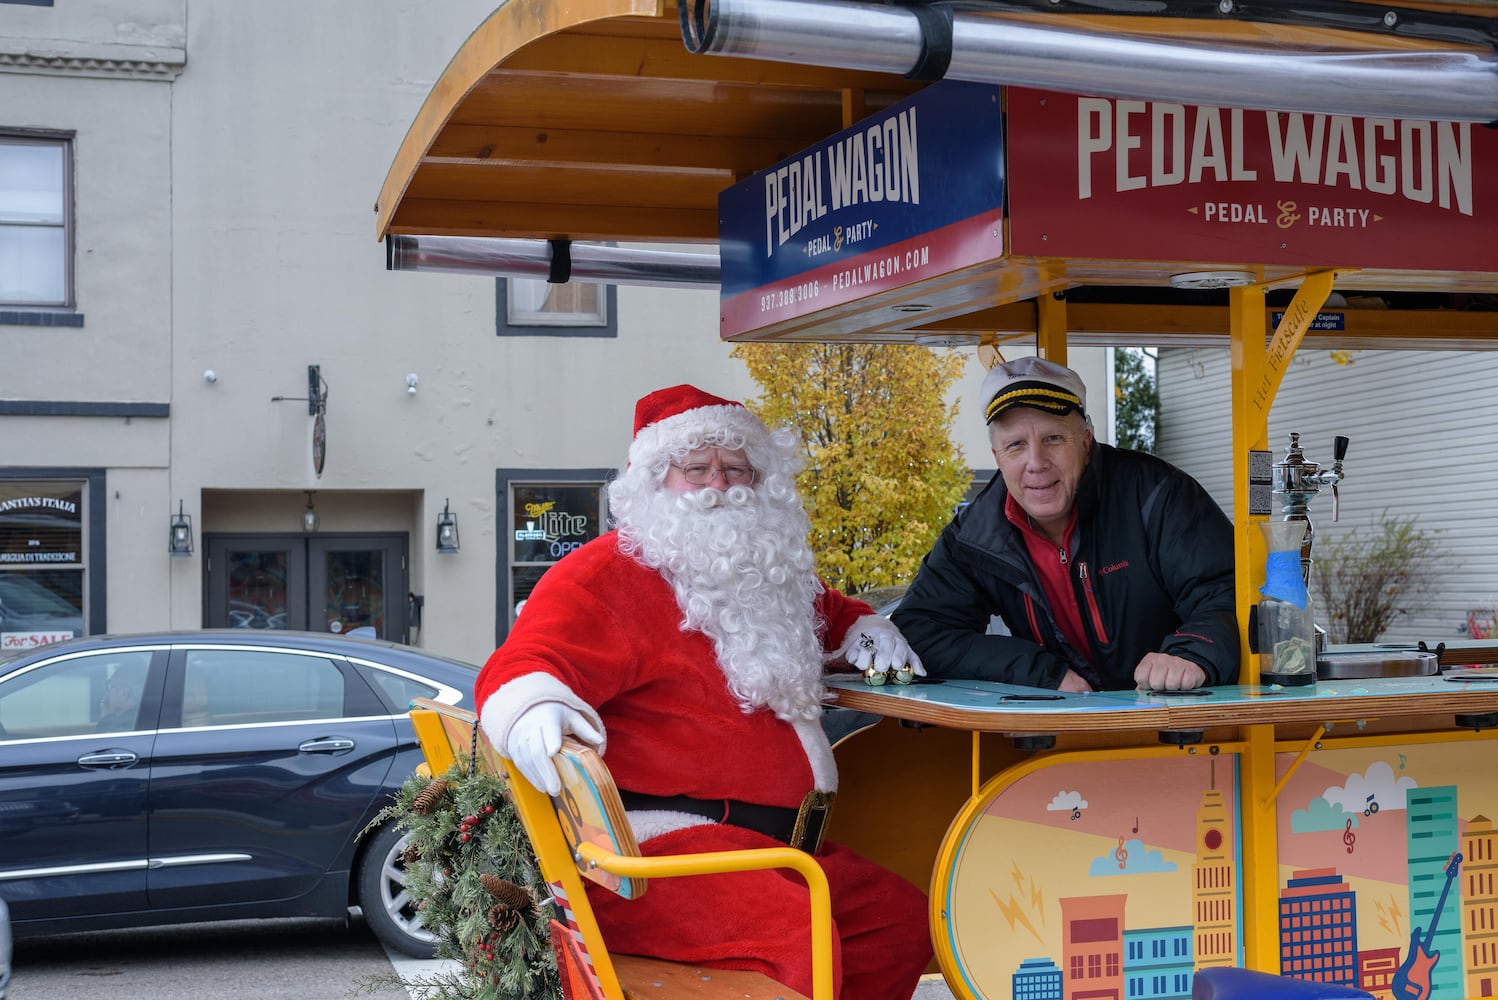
688, 646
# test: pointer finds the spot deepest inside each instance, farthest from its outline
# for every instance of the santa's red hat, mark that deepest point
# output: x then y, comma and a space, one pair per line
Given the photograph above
668, 421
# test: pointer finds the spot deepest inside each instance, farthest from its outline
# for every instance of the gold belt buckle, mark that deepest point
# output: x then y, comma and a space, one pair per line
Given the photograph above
812, 818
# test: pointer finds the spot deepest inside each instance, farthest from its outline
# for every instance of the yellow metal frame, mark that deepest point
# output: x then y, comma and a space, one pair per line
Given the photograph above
443, 729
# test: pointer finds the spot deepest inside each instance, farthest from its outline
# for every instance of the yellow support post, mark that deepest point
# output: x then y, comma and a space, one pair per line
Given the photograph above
1256, 375
1246, 328
1050, 327
1260, 888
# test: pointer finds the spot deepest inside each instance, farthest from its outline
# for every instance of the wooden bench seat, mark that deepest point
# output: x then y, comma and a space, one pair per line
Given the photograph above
654, 979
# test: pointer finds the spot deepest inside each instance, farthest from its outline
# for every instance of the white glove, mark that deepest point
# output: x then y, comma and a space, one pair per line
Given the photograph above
875, 641
536, 735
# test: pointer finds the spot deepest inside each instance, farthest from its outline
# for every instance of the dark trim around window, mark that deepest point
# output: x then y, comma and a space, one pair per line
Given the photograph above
97, 562
26, 317
80, 408
503, 328
502, 480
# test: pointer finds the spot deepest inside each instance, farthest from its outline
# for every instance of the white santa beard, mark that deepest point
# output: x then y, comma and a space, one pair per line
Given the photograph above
744, 576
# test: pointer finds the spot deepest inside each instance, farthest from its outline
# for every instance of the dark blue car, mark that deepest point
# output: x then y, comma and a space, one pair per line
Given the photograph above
187, 776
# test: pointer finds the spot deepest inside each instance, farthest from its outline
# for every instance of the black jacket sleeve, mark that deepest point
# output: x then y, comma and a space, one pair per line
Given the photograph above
944, 616
1193, 552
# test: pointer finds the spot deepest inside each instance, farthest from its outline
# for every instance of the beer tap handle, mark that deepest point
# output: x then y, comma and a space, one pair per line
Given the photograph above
1339, 452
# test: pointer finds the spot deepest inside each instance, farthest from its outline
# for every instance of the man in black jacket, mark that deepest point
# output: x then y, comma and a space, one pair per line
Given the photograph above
1112, 569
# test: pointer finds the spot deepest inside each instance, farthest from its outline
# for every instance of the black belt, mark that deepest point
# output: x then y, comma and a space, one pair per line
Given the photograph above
778, 822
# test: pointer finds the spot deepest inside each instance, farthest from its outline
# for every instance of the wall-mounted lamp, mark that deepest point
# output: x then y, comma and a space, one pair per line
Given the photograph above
179, 541
411, 381
447, 529
310, 519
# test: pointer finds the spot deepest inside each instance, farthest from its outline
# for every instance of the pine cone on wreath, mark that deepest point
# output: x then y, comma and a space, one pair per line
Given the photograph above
426, 800
503, 917
506, 892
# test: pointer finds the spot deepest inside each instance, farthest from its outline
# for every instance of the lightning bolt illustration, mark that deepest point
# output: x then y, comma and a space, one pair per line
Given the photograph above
1037, 897
1391, 917
1011, 910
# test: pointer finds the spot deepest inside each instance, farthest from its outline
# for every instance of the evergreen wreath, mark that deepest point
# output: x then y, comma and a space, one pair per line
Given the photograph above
471, 871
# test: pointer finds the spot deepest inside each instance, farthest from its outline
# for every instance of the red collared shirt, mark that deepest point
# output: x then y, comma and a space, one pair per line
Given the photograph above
1053, 566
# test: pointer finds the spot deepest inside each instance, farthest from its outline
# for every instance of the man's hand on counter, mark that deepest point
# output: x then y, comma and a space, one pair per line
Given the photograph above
1163, 672
1073, 683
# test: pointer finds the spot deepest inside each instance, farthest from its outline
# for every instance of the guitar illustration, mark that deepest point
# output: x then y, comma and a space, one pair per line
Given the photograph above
1412, 981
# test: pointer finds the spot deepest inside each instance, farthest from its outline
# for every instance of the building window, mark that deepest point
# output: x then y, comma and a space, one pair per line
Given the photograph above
551, 513
530, 307
41, 563
35, 198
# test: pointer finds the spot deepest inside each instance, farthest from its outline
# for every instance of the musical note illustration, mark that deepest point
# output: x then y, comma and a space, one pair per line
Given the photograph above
1401, 762
1122, 854
1372, 808
1076, 813
1348, 837
1136, 824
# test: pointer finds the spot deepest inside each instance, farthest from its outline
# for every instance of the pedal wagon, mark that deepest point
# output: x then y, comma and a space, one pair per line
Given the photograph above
1080, 176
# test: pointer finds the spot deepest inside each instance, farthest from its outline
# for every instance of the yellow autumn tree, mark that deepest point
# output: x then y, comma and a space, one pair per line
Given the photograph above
882, 475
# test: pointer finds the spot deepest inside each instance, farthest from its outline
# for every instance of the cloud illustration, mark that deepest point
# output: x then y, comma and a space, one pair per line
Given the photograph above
1066, 801
1138, 860
1378, 782
1320, 814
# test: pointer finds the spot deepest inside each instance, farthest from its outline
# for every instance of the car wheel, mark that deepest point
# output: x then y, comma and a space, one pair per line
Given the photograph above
390, 912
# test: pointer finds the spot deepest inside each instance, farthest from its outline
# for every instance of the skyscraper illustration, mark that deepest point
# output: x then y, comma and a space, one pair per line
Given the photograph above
1432, 842
1319, 928
1214, 905
1480, 907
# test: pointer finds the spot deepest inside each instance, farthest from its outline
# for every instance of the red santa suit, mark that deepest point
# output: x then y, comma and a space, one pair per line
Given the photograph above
602, 633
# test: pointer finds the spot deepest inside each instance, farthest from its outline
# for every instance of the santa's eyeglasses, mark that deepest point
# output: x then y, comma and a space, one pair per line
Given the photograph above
701, 475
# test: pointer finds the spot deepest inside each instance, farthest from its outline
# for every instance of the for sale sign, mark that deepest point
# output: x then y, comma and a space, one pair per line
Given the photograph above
31, 640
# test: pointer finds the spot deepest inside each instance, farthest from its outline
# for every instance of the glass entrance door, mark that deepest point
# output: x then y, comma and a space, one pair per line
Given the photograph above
345, 584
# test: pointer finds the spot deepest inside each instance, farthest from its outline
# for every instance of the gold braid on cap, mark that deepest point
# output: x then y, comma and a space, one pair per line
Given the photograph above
1053, 400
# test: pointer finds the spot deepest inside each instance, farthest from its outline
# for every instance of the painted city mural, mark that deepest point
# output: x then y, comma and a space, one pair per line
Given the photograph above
1119, 878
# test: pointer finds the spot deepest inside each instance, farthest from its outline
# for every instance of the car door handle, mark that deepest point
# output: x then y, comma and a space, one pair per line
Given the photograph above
332, 745
108, 758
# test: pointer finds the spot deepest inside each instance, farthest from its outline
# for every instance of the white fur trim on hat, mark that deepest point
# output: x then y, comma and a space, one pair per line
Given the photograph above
730, 426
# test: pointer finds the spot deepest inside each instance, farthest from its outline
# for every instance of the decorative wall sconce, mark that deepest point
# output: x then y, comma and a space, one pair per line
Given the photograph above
179, 541
447, 529
310, 520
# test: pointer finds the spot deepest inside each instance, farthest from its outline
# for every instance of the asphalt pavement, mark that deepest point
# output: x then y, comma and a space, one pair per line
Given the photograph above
297, 959
286, 959
931, 987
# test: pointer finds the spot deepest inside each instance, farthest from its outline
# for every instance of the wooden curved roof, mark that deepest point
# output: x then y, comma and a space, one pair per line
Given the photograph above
590, 120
